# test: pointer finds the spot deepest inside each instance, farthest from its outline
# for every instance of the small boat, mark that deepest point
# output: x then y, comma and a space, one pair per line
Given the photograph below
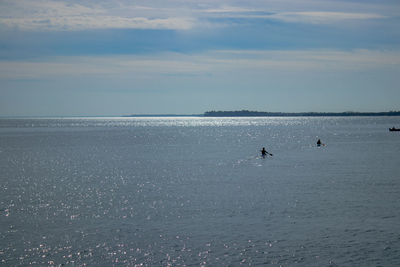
394, 130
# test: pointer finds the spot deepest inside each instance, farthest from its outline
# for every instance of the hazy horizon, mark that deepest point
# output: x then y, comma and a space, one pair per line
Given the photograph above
187, 115
118, 57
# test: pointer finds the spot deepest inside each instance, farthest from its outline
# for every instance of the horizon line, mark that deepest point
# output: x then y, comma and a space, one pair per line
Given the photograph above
204, 114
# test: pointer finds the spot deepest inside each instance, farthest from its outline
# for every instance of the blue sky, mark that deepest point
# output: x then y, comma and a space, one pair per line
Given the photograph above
62, 58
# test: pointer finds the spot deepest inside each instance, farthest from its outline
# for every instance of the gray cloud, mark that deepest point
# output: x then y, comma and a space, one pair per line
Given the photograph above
47, 15
213, 62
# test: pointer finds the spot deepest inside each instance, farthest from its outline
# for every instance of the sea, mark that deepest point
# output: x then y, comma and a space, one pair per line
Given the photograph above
195, 191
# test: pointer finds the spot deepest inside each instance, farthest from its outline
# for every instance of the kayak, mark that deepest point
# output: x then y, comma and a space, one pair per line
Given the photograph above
394, 130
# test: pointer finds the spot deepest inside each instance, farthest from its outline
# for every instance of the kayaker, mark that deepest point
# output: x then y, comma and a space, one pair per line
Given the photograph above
264, 152
319, 142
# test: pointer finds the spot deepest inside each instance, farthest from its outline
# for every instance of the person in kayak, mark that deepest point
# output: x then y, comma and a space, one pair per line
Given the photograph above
264, 152
319, 142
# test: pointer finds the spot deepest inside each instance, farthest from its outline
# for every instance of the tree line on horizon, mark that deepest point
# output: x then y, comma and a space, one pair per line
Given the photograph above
248, 113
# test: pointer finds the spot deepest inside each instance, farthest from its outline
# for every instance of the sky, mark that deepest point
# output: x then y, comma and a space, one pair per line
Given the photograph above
120, 57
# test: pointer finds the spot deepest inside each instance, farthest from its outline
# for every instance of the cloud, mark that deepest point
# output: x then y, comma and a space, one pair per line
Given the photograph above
229, 9
313, 17
44, 15
205, 64
96, 22
305, 60
319, 17
116, 66
48, 15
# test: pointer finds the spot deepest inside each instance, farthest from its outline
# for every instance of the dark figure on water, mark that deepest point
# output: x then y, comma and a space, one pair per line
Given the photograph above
319, 142
264, 152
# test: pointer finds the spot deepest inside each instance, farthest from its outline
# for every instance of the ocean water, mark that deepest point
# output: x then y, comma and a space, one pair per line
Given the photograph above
195, 191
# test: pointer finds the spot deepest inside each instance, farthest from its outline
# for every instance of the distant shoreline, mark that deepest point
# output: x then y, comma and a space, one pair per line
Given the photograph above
247, 113
241, 113
163, 115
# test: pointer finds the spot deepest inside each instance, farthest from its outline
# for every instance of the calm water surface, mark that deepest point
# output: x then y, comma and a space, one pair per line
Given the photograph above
194, 191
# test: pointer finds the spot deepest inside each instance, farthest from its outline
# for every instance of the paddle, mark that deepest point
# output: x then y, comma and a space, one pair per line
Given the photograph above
266, 153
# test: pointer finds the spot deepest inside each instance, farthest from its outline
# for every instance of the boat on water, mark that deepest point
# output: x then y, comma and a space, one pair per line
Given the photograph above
394, 129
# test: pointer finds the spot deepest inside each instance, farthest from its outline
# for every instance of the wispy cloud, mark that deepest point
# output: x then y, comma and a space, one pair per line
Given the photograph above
211, 63
314, 17
48, 15
229, 9
96, 22
320, 17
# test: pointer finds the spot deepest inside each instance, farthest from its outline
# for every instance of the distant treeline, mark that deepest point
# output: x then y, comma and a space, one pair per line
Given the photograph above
248, 113
162, 115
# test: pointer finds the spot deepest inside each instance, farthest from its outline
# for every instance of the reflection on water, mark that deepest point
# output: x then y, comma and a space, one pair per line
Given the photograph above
166, 121
195, 191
